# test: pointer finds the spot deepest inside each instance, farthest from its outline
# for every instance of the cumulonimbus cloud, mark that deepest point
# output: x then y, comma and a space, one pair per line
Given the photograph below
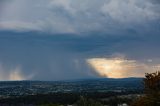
70, 16
109, 18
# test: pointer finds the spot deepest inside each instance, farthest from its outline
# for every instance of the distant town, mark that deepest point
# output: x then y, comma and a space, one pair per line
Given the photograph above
23, 88
103, 89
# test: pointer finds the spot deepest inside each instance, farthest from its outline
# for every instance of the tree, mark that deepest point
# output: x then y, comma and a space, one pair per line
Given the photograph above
152, 83
151, 90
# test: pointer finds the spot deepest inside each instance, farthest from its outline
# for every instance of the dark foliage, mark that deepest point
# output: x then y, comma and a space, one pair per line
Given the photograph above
152, 91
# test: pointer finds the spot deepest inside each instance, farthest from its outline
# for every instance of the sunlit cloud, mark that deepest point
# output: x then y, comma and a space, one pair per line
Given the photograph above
16, 75
120, 67
13, 74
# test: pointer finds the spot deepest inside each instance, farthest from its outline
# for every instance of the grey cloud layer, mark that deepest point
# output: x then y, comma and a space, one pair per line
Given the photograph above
77, 16
106, 28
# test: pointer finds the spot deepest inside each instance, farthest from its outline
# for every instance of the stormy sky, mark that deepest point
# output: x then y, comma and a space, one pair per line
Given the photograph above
76, 39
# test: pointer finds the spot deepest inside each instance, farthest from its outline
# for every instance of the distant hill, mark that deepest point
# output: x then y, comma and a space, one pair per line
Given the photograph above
109, 79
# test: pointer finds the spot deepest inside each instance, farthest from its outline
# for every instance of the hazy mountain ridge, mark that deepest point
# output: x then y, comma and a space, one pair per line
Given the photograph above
84, 80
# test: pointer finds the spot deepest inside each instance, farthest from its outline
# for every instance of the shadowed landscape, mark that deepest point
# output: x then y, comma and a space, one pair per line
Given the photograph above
71, 92
95, 92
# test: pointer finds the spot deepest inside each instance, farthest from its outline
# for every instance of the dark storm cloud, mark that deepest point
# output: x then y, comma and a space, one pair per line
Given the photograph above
41, 58
62, 57
52, 39
155, 1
